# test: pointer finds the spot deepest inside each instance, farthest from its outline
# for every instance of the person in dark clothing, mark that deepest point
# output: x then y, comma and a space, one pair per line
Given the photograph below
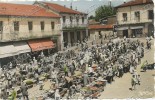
24, 91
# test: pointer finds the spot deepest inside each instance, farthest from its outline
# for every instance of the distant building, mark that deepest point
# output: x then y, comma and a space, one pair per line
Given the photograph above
135, 18
73, 23
102, 29
109, 20
93, 22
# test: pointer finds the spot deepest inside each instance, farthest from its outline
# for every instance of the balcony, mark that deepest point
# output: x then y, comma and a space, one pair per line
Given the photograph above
74, 26
135, 21
17, 36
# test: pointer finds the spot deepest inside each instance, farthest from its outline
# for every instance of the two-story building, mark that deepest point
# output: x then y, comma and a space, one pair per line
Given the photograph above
135, 18
27, 28
73, 23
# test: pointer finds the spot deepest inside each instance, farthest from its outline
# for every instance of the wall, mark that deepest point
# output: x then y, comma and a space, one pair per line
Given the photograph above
94, 33
131, 16
24, 33
112, 20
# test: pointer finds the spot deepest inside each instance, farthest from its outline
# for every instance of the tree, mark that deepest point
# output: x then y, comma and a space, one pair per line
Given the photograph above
104, 11
91, 17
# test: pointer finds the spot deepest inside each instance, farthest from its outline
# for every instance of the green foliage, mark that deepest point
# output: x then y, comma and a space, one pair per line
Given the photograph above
91, 17
104, 11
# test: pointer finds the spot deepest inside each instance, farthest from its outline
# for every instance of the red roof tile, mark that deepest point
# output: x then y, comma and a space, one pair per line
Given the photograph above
100, 27
25, 10
62, 9
135, 2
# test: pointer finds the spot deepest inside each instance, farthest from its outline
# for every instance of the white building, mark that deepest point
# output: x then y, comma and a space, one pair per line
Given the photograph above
135, 18
73, 23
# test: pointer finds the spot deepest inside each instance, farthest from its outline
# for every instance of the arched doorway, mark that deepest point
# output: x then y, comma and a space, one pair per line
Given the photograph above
150, 30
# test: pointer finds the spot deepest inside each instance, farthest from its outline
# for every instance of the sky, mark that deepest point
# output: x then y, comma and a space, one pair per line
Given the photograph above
86, 6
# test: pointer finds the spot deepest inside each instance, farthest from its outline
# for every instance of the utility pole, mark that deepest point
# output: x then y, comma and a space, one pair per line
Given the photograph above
110, 3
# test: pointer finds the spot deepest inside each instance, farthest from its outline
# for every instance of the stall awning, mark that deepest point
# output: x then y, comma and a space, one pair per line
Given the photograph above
122, 28
137, 27
7, 51
37, 45
22, 47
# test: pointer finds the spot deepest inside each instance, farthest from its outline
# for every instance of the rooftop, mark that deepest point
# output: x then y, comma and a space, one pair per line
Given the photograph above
9, 9
135, 2
91, 27
62, 9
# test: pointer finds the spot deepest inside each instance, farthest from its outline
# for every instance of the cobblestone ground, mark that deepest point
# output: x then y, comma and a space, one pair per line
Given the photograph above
120, 88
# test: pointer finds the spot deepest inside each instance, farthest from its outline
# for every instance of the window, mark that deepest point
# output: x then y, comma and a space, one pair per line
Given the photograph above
42, 25
30, 26
52, 25
82, 19
71, 19
64, 19
125, 18
1, 27
137, 16
77, 19
16, 25
150, 14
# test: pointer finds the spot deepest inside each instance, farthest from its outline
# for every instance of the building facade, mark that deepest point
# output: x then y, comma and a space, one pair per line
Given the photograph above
27, 28
97, 32
135, 18
73, 23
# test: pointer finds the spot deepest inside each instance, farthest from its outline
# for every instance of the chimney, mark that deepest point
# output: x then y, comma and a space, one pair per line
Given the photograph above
144, 1
124, 1
76, 8
71, 6
110, 3
64, 5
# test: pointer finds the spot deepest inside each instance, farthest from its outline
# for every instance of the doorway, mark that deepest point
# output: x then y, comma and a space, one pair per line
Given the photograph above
125, 33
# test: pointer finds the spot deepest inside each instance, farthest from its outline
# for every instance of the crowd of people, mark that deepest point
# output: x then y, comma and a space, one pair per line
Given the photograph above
104, 61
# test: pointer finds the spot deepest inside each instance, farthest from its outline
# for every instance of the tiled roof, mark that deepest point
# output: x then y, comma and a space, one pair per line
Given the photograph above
135, 2
25, 10
62, 9
91, 27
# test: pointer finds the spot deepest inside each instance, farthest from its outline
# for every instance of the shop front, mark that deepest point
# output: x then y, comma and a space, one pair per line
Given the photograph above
123, 31
41, 45
137, 31
13, 52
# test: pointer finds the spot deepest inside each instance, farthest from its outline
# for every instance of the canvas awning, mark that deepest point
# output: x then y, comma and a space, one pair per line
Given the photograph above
122, 28
42, 44
137, 27
7, 51
22, 47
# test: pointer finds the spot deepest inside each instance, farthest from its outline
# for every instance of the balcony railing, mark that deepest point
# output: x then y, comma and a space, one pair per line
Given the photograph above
73, 25
16, 36
134, 21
